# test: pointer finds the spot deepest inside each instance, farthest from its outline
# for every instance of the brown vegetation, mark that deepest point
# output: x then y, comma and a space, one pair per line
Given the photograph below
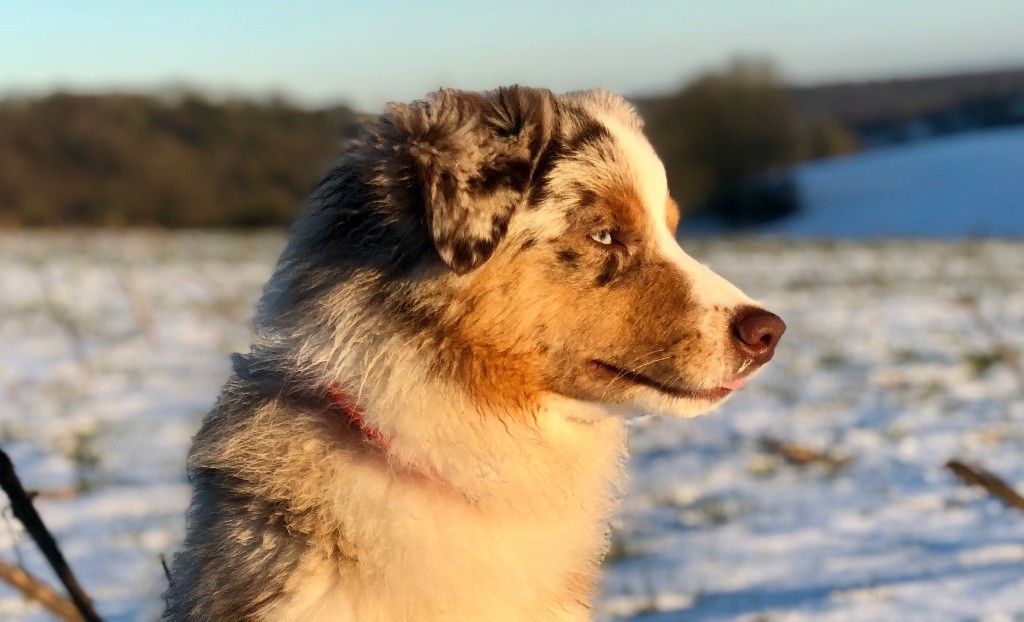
140, 160
722, 133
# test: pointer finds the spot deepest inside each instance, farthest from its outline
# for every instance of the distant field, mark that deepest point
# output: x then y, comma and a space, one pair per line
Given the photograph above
113, 346
953, 187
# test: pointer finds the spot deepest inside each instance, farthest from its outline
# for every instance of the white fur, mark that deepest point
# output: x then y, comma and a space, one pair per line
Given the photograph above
529, 499
649, 174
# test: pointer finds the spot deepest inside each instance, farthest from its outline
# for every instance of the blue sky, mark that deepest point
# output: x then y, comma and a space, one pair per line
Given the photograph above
368, 53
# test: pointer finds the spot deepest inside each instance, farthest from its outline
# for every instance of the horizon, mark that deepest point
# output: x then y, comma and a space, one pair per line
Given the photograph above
172, 90
320, 54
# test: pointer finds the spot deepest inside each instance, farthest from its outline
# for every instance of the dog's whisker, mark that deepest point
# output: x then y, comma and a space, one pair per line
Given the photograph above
625, 370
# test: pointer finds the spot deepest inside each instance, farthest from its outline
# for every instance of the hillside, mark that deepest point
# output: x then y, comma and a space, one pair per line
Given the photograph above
899, 109
967, 185
863, 103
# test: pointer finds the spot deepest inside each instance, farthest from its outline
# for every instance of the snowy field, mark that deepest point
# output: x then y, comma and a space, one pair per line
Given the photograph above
112, 347
969, 184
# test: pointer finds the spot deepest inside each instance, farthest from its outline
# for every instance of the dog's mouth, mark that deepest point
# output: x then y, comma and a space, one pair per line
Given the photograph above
611, 371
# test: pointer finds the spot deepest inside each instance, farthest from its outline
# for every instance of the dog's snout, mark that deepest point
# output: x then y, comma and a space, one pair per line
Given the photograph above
757, 332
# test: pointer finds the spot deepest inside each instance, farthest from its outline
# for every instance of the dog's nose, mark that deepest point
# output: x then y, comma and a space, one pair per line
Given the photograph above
757, 332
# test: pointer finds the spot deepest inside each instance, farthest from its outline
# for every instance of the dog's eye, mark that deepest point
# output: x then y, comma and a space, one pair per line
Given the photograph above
602, 237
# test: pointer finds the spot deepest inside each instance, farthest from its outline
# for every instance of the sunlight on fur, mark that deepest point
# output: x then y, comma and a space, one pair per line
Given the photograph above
430, 424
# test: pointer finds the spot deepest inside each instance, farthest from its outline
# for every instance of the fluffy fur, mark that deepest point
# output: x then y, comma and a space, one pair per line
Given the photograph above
494, 279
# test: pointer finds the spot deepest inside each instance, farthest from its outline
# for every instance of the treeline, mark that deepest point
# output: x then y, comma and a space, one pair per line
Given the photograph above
729, 137
887, 111
182, 161
728, 140
189, 161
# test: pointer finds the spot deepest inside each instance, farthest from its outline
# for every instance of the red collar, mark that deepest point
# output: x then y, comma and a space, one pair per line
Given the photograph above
353, 412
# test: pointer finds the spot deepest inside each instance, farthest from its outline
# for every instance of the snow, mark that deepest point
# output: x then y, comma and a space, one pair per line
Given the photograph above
970, 184
113, 346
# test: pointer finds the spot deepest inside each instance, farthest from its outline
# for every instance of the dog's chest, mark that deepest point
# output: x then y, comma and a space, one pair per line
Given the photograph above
452, 563
416, 551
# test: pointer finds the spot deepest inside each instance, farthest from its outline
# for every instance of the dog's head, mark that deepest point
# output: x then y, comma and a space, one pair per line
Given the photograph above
536, 239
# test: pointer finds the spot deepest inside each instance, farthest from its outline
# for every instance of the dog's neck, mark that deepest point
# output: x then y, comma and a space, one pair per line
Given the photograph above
560, 452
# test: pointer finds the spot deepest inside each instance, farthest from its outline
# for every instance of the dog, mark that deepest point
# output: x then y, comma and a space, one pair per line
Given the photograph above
431, 423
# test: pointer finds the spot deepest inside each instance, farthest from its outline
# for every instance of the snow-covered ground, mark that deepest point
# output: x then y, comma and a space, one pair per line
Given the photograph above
970, 184
111, 350
883, 364
112, 347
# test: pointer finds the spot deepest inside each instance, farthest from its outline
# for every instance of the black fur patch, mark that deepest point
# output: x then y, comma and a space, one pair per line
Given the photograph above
593, 131
569, 257
517, 174
539, 191
611, 267
499, 224
587, 197
513, 174
463, 255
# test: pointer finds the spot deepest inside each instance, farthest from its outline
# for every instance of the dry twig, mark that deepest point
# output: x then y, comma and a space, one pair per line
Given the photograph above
35, 589
25, 512
802, 455
978, 476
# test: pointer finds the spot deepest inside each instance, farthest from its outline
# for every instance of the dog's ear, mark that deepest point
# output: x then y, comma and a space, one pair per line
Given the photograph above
472, 156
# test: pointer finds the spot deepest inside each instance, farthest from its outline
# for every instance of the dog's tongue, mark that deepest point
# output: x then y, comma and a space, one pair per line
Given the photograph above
732, 385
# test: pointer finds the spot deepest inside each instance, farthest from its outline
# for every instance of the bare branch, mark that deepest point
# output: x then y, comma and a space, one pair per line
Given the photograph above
25, 512
978, 476
802, 455
35, 589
